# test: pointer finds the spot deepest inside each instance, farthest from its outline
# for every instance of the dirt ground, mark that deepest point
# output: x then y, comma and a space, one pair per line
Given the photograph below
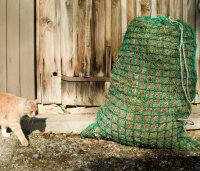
49, 151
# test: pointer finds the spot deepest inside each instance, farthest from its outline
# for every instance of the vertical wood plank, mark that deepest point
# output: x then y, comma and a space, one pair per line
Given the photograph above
138, 8
176, 7
99, 66
197, 10
153, 8
66, 32
108, 22
27, 63
79, 17
146, 7
131, 10
116, 29
189, 12
50, 51
3, 46
163, 8
13, 74
81, 36
124, 17
75, 38
108, 37
38, 57
88, 37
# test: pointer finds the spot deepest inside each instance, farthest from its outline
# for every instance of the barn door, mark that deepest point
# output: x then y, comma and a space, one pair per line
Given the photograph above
17, 66
77, 41
74, 49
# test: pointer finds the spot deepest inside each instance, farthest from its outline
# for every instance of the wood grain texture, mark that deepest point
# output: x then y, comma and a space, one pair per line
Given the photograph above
108, 22
38, 58
176, 7
189, 14
153, 8
124, 17
79, 18
27, 63
83, 93
116, 28
108, 37
146, 7
50, 51
138, 8
131, 10
88, 38
99, 56
163, 8
81, 37
3, 66
66, 26
13, 68
197, 98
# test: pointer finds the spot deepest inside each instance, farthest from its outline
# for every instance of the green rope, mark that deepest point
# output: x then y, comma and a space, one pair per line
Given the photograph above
152, 86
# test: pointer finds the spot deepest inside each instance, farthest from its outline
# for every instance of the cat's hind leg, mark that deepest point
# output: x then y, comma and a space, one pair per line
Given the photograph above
4, 131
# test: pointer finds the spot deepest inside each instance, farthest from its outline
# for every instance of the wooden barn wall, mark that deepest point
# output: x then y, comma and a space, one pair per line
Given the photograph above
17, 47
80, 38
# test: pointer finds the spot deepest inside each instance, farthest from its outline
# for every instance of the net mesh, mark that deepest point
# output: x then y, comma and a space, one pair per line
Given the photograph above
146, 105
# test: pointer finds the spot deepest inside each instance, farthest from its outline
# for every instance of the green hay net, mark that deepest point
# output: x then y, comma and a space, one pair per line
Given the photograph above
146, 104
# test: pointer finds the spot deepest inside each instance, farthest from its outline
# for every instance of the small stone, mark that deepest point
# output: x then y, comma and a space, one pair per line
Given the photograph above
35, 156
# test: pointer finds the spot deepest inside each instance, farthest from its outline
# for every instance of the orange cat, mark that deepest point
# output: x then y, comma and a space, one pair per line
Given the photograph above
12, 108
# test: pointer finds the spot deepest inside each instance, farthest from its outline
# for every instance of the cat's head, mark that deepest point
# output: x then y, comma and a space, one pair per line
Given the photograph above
31, 107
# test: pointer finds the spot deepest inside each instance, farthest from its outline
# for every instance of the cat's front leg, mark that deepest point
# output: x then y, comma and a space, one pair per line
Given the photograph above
4, 131
16, 128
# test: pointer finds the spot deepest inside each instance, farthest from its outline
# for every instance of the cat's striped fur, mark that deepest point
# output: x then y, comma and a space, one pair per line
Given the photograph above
12, 108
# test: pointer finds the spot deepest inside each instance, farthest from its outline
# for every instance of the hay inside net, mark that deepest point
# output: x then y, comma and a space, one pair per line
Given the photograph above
146, 103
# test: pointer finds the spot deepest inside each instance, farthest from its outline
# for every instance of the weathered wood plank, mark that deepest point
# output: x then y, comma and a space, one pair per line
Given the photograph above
66, 27
146, 7
83, 93
81, 37
27, 63
153, 8
131, 10
75, 38
189, 12
50, 51
138, 8
197, 10
116, 29
108, 61
108, 22
99, 56
13, 76
108, 37
88, 37
163, 8
3, 46
79, 18
38, 58
124, 17
176, 7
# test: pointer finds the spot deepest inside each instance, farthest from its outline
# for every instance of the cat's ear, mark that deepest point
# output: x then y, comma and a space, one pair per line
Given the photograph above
28, 103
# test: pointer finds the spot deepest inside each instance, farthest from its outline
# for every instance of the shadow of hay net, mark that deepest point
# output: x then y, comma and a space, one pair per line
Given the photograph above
146, 105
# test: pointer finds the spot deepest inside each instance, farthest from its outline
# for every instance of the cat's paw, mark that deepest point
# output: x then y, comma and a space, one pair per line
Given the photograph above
6, 134
24, 142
